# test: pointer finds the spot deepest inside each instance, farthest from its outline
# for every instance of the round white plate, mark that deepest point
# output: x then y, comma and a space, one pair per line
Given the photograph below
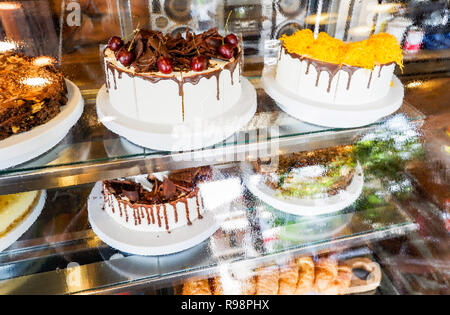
23, 226
136, 266
146, 243
306, 207
28, 145
331, 115
181, 137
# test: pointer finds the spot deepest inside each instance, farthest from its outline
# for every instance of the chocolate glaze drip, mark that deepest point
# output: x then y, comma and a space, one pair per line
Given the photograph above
350, 70
332, 69
187, 211
148, 216
153, 216
198, 207
165, 217
370, 80
384, 65
158, 215
176, 214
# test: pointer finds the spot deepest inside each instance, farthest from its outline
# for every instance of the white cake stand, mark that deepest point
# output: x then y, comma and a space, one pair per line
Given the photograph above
304, 207
28, 145
23, 226
181, 137
146, 243
332, 115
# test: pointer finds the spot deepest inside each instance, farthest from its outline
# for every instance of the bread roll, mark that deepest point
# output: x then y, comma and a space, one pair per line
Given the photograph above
267, 280
288, 279
344, 278
248, 286
216, 286
199, 287
306, 275
326, 272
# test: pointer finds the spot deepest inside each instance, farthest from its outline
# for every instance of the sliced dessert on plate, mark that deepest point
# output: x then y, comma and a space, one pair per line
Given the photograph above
15, 208
150, 204
307, 183
331, 71
32, 91
163, 79
315, 174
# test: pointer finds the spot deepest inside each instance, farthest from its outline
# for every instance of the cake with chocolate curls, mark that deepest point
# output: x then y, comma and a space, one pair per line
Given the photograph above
32, 91
156, 204
165, 79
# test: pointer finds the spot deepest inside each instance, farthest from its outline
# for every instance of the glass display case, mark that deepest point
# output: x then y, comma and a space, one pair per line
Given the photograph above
290, 206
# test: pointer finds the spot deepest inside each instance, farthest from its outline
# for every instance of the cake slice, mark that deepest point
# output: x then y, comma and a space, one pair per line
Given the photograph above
313, 174
31, 93
14, 209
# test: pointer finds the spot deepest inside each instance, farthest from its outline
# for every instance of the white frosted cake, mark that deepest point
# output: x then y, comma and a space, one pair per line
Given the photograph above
15, 208
330, 71
162, 79
145, 203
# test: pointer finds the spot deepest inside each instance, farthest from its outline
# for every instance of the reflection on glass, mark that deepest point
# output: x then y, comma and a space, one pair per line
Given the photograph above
6, 6
7, 46
44, 61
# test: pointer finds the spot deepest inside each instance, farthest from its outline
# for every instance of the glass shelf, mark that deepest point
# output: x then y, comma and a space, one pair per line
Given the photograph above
62, 251
90, 152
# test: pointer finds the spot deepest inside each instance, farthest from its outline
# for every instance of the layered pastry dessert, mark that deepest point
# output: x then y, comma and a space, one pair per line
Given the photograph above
163, 79
300, 276
32, 92
314, 174
151, 204
15, 208
331, 71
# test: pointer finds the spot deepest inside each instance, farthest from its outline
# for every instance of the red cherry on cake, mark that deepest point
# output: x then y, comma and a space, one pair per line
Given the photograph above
125, 57
165, 65
231, 40
199, 63
115, 43
226, 51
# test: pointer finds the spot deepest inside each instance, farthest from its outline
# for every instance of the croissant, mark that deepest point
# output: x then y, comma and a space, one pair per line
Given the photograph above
248, 286
288, 279
216, 286
199, 287
344, 278
267, 280
306, 275
326, 272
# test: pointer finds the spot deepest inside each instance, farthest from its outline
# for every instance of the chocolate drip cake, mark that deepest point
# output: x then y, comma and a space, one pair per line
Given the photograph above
32, 91
145, 203
164, 79
330, 71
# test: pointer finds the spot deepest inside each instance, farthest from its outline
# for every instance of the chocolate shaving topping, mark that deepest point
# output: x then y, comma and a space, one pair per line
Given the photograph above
169, 188
149, 45
132, 195
177, 185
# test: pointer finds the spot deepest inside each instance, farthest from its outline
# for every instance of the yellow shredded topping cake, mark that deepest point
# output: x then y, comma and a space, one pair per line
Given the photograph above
379, 49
